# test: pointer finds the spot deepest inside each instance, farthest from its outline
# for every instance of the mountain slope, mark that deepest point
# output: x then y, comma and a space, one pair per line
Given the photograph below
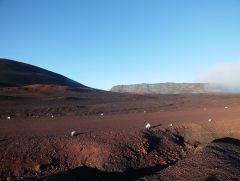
13, 73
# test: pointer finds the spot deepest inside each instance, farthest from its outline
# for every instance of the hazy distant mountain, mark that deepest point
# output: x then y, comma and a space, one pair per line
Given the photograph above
168, 88
13, 73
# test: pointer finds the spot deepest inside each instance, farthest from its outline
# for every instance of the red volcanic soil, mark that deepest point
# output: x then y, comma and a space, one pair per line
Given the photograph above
44, 87
111, 141
218, 160
37, 88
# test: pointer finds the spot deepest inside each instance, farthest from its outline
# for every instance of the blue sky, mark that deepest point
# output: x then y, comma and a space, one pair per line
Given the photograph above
102, 43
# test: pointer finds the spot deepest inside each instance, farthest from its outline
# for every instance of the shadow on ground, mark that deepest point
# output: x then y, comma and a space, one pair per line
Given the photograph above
92, 174
228, 140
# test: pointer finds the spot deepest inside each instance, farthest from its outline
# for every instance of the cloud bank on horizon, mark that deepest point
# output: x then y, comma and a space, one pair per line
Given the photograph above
224, 76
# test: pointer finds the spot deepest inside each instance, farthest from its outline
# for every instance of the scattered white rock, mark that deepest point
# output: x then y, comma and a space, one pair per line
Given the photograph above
8, 117
144, 111
73, 133
210, 120
148, 126
171, 125
52, 116
226, 107
102, 114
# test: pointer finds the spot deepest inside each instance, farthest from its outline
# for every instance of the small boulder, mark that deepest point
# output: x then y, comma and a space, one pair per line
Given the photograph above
148, 126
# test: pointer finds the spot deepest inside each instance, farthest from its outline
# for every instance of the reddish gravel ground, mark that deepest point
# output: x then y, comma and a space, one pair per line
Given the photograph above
218, 160
111, 141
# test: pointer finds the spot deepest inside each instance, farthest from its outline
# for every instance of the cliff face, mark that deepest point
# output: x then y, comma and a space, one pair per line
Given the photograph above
166, 88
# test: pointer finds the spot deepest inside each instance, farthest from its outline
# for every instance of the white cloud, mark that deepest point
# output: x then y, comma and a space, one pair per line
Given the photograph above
225, 76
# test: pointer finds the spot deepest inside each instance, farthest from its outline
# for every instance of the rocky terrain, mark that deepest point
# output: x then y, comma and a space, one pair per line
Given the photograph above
169, 88
218, 160
191, 136
92, 156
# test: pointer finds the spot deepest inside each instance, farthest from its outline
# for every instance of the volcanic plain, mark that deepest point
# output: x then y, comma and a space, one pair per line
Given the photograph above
192, 136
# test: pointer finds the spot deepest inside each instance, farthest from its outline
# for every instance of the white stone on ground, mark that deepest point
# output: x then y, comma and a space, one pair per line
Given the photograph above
148, 126
73, 133
210, 120
8, 117
171, 125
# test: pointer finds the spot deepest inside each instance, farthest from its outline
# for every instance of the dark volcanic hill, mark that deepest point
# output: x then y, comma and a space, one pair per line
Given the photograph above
168, 88
13, 73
